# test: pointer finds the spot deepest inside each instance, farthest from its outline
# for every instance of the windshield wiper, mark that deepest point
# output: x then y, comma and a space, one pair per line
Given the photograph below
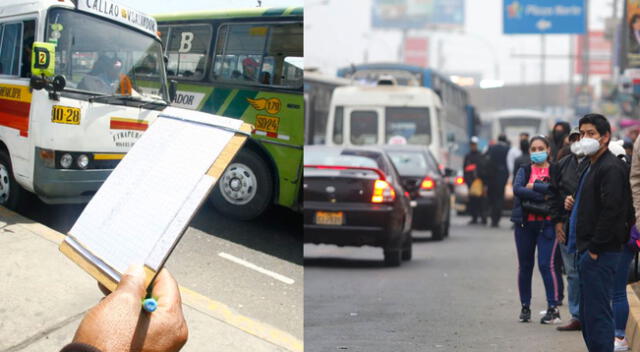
127, 98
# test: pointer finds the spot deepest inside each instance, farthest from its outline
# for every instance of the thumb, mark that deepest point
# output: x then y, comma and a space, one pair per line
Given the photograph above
132, 282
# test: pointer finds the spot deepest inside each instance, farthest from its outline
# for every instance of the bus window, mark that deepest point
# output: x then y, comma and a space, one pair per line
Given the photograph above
260, 54
187, 50
27, 44
364, 127
10, 49
411, 123
338, 125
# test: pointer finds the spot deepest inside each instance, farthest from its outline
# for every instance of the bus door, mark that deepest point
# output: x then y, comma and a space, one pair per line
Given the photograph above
364, 125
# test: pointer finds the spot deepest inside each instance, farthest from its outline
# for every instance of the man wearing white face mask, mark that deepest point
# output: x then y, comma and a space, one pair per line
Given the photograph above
565, 182
598, 225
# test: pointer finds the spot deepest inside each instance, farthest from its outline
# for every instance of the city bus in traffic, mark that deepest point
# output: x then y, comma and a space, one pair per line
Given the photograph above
245, 64
459, 118
71, 96
318, 88
511, 123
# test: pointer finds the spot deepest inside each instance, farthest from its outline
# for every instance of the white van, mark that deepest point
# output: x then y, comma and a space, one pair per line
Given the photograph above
387, 114
80, 81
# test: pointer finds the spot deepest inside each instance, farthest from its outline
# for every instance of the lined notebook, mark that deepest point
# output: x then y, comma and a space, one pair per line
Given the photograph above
144, 206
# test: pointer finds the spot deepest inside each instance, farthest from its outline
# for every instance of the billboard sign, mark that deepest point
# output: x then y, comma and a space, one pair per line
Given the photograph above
416, 51
417, 14
599, 54
543, 17
631, 37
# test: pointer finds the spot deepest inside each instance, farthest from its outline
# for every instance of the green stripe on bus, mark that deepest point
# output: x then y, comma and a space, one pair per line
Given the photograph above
294, 11
274, 12
239, 104
227, 101
216, 99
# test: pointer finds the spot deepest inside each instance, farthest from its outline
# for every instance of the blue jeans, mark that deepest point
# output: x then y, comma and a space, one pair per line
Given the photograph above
596, 288
539, 234
573, 281
619, 301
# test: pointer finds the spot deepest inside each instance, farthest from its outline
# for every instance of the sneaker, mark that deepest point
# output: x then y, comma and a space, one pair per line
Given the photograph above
525, 314
552, 316
620, 344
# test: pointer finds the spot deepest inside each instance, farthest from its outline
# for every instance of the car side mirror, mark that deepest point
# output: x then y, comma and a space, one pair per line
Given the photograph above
173, 90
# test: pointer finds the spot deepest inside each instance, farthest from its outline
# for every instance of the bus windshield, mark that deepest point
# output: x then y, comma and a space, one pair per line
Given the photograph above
104, 58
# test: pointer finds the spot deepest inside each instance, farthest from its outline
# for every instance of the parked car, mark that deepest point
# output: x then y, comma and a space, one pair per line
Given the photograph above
426, 184
353, 197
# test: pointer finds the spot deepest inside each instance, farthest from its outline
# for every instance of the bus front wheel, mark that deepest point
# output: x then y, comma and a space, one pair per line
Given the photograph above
12, 195
245, 189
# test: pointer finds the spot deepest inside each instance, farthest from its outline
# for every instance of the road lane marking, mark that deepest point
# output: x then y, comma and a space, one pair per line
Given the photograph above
212, 308
252, 266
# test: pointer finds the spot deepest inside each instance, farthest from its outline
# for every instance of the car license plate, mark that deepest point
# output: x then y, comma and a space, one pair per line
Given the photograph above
329, 218
65, 114
267, 123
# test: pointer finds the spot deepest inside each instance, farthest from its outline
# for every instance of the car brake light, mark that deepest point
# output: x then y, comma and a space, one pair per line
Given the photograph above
383, 192
459, 180
428, 183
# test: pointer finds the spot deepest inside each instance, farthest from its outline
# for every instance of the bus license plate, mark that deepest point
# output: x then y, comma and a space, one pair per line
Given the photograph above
329, 218
65, 114
267, 123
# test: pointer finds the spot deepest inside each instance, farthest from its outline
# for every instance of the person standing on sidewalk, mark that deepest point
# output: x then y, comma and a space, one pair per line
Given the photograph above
533, 228
497, 177
524, 157
474, 169
598, 223
565, 182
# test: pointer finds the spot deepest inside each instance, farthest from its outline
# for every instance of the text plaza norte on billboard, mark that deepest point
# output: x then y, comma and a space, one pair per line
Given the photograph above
558, 10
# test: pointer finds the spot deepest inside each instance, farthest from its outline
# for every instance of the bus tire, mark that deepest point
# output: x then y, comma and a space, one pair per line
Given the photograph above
245, 189
12, 195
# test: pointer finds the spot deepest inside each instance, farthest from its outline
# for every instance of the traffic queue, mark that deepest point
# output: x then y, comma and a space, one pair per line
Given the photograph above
374, 195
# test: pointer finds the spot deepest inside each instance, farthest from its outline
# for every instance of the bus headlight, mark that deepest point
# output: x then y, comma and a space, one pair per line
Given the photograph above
82, 161
66, 160
48, 158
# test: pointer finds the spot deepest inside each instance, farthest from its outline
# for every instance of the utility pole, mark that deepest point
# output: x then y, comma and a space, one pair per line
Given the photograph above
585, 46
543, 59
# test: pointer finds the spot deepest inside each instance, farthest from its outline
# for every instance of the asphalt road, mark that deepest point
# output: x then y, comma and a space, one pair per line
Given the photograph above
253, 267
456, 295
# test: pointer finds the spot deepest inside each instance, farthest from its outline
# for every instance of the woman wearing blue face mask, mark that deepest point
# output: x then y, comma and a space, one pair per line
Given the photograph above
533, 228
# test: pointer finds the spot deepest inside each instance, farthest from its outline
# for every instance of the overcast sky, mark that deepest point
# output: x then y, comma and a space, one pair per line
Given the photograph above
163, 6
338, 32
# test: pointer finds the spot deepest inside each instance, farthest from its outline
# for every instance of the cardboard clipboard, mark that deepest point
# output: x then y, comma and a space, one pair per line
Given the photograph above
215, 170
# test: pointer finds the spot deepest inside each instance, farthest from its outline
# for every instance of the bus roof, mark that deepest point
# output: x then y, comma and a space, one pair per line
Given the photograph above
384, 96
322, 78
16, 7
231, 13
514, 112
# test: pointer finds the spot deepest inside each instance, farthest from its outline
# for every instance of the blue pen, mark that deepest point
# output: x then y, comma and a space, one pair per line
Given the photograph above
150, 304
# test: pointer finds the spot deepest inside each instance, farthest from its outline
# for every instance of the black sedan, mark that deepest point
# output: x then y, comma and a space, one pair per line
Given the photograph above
426, 185
353, 197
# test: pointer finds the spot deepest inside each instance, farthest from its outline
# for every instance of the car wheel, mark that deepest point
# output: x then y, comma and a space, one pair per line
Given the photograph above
438, 232
447, 223
12, 195
245, 189
392, 257
407, 248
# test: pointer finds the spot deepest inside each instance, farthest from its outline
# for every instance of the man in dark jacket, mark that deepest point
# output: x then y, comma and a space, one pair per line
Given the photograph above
598, 228
565, 182
497, 177
474, 171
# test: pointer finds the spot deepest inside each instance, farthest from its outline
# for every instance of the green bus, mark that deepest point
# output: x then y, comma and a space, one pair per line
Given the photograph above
246, 64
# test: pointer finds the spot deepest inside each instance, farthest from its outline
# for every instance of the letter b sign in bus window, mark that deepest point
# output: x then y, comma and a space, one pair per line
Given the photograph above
185, 43
43, 59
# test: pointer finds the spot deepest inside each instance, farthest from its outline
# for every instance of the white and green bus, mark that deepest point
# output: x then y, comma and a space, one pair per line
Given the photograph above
245, 64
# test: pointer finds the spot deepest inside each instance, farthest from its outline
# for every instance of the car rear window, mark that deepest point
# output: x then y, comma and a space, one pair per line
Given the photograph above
410, 163
333, 157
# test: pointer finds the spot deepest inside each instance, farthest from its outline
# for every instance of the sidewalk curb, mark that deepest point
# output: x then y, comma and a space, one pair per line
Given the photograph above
193, 299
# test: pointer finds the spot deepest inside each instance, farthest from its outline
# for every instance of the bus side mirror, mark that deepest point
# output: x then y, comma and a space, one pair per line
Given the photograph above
173, 90
43, 59
451, 138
